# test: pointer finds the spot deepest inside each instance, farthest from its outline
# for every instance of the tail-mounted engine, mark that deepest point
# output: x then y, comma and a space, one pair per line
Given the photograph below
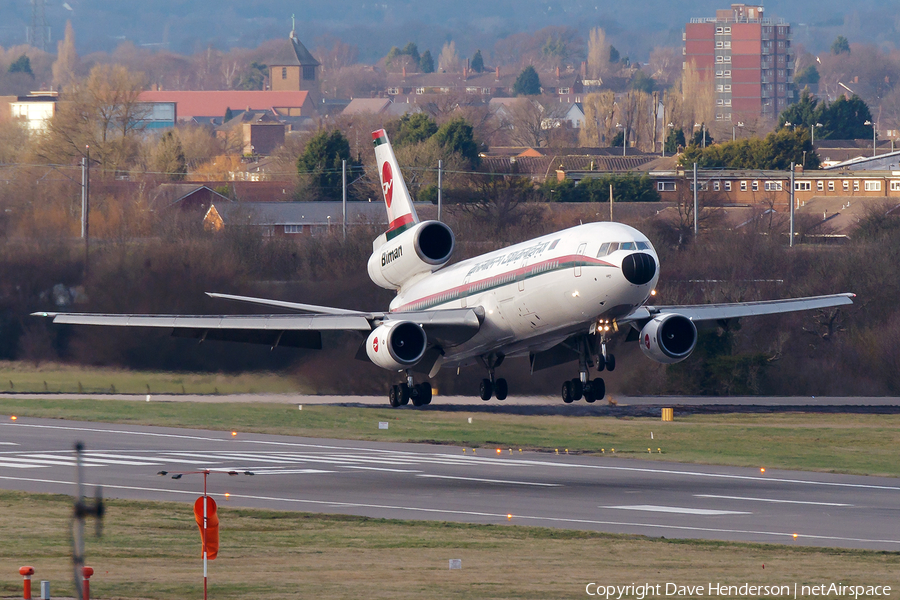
397, 345
669, 338
424, 247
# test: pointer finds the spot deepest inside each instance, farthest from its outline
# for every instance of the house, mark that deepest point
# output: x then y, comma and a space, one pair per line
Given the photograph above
485, 85
285, 219
200, 105
35, 110
379, 106
889, 161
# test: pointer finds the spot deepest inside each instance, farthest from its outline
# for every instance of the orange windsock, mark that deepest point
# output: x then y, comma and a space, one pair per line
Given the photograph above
211, 547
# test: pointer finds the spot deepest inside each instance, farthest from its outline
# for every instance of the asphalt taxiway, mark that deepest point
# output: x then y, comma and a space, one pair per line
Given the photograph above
417, 481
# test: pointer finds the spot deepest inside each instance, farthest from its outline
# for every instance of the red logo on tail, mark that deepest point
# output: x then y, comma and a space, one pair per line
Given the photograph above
387, 182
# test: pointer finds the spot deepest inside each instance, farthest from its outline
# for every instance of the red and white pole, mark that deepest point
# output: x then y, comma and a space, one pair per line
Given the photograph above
205, 502
26, 572
86, 586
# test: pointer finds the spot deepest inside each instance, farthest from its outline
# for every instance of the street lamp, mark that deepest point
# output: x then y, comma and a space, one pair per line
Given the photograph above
739, 124
812, 131
624, 136
703, 129
666, 137
873, 135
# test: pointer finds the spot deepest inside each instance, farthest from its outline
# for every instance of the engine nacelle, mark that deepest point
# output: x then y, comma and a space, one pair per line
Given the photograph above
397, 345
669, 338
423, 248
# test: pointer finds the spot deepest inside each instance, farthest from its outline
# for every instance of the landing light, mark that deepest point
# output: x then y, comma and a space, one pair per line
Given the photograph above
574, 294
652, 292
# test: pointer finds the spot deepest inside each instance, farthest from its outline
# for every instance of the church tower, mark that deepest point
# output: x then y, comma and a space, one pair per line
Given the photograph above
293, 68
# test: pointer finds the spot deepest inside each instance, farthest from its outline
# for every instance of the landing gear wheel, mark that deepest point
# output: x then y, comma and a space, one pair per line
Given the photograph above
567, 392
610, 362
501, 390
577, 389
601, 363
487, 389
598, 389
403, 394
589, 394
424, 394
394, 396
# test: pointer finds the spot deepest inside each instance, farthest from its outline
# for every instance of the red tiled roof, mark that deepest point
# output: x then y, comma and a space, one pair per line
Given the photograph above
214, 103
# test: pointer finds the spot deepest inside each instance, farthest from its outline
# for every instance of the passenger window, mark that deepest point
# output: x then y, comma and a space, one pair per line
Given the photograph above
627, 246
613, 247
604, 250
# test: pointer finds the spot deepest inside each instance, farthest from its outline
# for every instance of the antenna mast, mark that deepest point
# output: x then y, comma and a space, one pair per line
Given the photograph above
39, 32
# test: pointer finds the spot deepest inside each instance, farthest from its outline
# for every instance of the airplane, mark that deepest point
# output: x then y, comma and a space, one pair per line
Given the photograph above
555, 299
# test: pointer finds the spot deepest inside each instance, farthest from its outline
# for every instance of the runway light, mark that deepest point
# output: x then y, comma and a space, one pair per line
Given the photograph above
227, 495
509, 517
13, 418
795, 536
498, 450
762, 469
233, 433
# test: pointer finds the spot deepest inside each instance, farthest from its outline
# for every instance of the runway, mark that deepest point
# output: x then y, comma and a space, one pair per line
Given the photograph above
417, 481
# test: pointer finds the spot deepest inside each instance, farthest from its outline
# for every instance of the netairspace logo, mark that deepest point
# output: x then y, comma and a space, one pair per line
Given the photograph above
640, 591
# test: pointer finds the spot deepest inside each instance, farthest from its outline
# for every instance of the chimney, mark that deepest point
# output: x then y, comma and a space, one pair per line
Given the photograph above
557, 71
498, 73
466, 71
404, 72
584, 69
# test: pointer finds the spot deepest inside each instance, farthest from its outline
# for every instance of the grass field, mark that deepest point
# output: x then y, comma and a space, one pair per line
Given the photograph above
842, 443
151, 550
56, 378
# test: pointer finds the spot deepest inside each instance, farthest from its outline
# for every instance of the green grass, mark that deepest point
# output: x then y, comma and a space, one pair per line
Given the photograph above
55, 378
151, 550
841, 443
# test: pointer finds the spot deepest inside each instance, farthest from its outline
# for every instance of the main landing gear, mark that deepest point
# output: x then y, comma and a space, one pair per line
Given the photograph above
493, 386
583, 386
401, 394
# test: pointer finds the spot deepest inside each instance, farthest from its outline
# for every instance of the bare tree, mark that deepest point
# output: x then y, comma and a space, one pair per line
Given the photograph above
527, 123
598, 53
599, 119
66, 60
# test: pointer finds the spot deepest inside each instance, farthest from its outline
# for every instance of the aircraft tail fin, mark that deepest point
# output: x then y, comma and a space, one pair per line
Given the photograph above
400, 210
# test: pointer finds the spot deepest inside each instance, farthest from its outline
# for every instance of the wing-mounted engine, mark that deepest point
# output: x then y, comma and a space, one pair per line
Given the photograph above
397, 345
423, 248
669, 338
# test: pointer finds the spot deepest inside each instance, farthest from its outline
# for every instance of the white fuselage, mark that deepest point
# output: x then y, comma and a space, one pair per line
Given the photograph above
537, 293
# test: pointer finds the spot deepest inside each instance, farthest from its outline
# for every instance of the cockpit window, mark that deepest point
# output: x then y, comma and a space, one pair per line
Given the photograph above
627, 246
609, 247
613, 247
604, 250
643, 246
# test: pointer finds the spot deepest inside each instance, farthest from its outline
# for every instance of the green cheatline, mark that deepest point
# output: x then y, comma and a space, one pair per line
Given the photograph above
381, 139
389, 235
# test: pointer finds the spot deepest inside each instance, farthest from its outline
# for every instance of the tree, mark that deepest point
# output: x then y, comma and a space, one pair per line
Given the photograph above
168, 157
21, 65
840, 46
598, 53
528, 83
321, 161
701, 137
808, 75
845, 119
803, 112
102, 112
448, 61
458, 136
526, 123
229, 115
411, 129
777, 151
626, 188
599, 119
426, 62
254, 78
66, 60
613, 54
412, 51
642, 83
478, 62
675, 140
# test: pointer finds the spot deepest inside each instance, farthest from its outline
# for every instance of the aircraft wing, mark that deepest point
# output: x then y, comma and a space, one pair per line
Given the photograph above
450, 326
717, 312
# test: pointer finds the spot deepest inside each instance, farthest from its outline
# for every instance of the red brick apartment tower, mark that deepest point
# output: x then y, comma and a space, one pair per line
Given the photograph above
750, 58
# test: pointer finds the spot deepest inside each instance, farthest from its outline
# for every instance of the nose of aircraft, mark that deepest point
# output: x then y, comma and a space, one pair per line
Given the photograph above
639, 268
